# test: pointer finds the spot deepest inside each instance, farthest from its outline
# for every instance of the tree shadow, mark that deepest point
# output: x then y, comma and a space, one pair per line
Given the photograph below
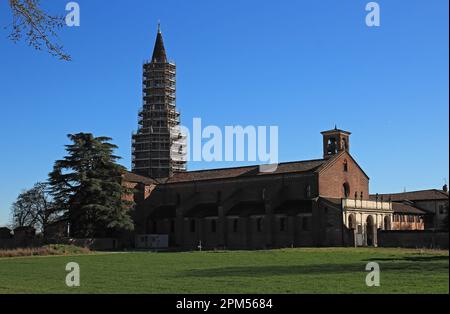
410, 258
289, 270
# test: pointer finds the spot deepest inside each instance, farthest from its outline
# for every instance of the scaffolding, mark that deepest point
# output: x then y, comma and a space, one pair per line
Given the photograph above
158, 146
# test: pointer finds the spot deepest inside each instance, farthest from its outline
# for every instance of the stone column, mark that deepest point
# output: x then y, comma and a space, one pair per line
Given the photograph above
199, 222
179, 227
316, 228
269, 222
246, 233
375, 236
292, 228
222, 227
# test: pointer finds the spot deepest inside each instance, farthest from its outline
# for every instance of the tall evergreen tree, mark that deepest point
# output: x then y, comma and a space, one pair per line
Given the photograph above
87, 187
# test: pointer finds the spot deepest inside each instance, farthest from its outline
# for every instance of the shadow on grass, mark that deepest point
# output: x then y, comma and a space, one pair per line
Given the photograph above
411, 258
277, 270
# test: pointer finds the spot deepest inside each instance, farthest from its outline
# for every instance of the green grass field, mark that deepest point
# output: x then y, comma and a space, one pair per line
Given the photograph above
309, 270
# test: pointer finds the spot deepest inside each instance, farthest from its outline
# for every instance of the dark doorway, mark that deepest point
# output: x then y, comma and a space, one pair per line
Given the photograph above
370, 231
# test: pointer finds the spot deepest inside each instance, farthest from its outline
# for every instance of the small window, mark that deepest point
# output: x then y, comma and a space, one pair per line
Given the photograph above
235, 225
282, 224
213, 226
259, 224
345, 165
192, 226
346, 188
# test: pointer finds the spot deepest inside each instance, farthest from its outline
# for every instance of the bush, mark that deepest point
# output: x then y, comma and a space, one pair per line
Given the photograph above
52, 249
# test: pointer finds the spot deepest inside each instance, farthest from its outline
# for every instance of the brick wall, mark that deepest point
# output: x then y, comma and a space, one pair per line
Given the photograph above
332, 178
413, 239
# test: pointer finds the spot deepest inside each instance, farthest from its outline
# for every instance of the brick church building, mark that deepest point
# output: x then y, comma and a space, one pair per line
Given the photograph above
321, 202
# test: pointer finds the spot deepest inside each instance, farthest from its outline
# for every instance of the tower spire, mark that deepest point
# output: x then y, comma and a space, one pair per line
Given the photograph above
159, 52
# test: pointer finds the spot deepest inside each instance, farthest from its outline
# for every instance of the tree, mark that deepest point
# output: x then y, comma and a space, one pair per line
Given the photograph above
34, 208
38, 27
87, 187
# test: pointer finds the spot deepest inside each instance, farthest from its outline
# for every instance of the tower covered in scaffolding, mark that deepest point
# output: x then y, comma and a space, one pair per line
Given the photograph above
159, 146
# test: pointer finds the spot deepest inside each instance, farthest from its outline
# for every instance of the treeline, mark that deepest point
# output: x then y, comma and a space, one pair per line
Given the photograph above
84, 191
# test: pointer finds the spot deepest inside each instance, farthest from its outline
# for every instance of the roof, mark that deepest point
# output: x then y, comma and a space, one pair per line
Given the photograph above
406, 209
247, 171
132, 177
302, 166
335, 130
422, 195
159, 52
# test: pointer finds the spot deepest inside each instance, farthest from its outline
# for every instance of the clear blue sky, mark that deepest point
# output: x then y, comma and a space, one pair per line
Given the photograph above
302, 65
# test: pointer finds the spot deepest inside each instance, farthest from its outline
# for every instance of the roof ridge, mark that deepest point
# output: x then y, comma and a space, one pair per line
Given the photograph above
415, 191
251, 166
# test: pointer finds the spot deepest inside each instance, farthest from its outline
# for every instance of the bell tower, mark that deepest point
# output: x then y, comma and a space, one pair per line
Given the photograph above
335, 141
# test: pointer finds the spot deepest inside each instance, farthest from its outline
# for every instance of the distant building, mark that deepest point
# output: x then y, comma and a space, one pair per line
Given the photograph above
431, 205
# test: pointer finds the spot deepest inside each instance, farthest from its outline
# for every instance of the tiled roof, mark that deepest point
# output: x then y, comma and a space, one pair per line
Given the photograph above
423, 195
132, 177
406, 209
248, 171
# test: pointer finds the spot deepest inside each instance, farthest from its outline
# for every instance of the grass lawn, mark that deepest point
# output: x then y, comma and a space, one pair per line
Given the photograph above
309, 270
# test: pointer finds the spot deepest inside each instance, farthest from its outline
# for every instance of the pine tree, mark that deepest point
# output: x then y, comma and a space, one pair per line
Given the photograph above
87, 188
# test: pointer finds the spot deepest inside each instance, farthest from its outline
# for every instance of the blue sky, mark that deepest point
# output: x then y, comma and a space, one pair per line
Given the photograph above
302, 65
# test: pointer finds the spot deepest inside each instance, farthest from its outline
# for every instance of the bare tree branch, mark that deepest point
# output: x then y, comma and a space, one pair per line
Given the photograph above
37, 26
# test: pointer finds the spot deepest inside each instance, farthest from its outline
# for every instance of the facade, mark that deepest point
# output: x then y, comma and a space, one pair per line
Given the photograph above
302, 203
158, 147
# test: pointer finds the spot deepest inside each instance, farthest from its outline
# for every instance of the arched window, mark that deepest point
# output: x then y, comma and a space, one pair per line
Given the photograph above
351, 221
344, 144
346, 188
331, 146
345, 165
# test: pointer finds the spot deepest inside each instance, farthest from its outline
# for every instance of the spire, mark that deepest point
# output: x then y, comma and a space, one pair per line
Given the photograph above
159, 52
